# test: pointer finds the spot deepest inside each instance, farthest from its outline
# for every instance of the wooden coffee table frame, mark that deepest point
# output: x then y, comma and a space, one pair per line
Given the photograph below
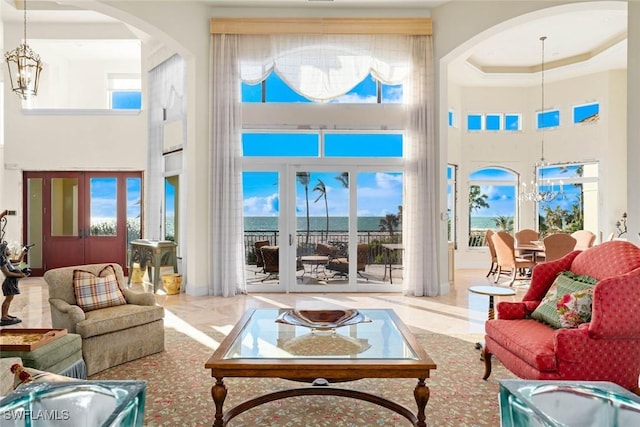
320, 373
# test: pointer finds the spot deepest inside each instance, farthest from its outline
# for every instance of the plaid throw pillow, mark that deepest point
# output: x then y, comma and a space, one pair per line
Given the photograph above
94, 292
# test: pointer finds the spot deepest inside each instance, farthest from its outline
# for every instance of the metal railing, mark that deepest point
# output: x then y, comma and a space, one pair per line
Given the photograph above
339, 239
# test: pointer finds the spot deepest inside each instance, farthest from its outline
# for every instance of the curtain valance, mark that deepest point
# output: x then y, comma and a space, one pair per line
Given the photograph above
321, 67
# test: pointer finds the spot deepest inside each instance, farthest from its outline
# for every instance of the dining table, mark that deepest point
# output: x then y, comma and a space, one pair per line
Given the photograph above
534, 248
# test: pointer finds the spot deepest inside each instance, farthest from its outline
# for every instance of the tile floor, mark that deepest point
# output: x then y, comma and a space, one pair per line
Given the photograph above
459, 313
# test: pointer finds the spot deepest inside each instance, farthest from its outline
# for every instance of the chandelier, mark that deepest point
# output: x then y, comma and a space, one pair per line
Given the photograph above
540, 189
24, 66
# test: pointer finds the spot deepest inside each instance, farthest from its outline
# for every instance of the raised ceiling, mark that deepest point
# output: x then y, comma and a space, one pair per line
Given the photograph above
579, 41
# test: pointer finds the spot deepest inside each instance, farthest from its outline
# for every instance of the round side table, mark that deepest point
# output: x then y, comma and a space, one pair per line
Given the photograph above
492, 291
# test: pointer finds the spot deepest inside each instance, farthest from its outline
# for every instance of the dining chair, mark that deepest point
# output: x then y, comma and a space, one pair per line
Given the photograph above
506, 257
526, 236
558, 245
584, 239
492, 253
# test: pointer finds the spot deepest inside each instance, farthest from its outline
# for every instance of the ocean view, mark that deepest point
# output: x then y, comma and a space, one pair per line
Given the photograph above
340, 223
483, 222
316, 223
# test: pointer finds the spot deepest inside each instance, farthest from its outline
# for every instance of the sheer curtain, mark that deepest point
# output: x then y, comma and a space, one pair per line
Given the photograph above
420, 211
226, 269
322, 67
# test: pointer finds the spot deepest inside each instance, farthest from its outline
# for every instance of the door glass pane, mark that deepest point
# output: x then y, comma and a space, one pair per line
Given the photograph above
380, 227
103, 206
134, 196
171, 211
64, 207
261, 211
322, 218
34, 220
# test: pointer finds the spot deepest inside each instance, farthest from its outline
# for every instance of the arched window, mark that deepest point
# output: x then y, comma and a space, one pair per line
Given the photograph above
492, 202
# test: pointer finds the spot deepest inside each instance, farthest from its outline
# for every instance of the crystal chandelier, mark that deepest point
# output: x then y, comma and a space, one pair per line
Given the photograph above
24, 66
541, 189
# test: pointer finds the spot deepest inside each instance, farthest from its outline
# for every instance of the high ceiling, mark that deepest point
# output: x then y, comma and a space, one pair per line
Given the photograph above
578, 41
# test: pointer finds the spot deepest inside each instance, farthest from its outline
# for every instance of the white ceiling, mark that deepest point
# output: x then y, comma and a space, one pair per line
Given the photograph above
578, 41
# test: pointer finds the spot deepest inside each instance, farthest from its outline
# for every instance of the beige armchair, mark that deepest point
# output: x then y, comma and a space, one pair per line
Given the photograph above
111, 335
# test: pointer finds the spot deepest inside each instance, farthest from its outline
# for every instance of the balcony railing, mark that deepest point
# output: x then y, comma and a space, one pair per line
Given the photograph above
339, 239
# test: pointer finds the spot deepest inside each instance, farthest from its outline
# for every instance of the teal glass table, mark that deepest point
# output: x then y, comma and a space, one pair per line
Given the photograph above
525, 403
75, 404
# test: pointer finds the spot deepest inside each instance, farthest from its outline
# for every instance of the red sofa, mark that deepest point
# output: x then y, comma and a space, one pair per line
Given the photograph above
605, 349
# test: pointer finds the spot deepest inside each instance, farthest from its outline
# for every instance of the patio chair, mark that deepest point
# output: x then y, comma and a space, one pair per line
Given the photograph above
259, 260
341, 265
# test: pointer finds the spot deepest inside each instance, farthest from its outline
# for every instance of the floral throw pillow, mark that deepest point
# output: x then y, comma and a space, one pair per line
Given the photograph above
563, 289
575, 308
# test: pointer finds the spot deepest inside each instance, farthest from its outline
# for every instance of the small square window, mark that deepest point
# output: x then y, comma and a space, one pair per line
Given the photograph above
548, 119
494, 121
126, 100
587, 113
512, 122
474, 122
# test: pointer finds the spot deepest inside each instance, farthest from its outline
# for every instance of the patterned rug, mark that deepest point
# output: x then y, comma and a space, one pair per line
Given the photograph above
179, 390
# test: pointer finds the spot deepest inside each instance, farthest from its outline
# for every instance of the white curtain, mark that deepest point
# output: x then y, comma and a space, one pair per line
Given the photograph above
420, 210
226, 269
322, 67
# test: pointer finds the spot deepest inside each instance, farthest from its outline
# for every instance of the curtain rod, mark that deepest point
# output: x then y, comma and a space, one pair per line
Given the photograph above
395, 26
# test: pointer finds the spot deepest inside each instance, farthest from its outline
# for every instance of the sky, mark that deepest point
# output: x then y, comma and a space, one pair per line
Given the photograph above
377, 193
104, 194
502, 199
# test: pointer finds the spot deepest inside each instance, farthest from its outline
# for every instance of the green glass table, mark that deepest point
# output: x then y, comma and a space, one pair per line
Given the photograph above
380, 347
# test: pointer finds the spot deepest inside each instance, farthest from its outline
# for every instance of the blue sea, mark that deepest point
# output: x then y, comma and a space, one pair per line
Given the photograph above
483, 222
316, 223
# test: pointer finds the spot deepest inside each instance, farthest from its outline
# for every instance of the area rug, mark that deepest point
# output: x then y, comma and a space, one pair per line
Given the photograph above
179, 390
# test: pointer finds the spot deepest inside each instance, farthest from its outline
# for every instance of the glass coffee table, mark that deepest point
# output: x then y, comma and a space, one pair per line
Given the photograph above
379, 346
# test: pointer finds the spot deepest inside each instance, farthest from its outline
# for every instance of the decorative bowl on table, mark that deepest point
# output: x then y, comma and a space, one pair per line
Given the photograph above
322, 319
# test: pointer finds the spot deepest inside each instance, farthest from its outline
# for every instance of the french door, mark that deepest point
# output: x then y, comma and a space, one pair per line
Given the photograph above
79, 218
309, 215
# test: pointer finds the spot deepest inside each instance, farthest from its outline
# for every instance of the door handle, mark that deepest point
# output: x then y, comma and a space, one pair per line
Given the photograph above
290, 240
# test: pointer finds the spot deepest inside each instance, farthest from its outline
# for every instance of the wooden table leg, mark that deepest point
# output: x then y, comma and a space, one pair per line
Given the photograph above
491, 313
219, 394
421, 393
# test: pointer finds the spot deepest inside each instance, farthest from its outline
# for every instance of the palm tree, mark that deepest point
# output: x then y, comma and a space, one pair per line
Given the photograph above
477, 200
344, 179
322, 189
504, 223
389, 223
303, 179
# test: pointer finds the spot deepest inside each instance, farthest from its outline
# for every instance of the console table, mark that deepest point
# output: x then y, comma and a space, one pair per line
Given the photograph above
151, 255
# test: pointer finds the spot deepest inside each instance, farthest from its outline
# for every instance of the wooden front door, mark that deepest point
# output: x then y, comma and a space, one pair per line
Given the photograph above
79, 218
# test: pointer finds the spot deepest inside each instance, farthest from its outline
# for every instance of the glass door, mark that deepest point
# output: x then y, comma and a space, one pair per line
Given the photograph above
77, 218
322, 237
263, 232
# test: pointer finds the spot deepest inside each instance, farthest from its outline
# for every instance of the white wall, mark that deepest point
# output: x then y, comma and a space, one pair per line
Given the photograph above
63, 142
459, 25
603, 141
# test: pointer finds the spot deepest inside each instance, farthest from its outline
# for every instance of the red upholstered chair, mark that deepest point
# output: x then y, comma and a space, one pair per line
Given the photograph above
605, 349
